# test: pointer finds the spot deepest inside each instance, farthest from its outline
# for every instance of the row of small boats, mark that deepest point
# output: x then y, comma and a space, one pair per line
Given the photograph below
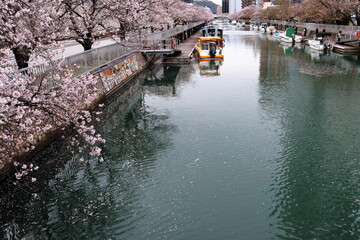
211, 44
319, 42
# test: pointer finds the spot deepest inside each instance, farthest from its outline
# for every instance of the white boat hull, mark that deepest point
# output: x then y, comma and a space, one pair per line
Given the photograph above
290, 40
316, 45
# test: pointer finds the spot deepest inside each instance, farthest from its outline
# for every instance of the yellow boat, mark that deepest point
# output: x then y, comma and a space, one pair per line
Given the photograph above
210, 48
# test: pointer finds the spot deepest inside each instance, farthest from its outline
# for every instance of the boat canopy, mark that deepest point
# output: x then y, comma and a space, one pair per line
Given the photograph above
212, 30
290, 32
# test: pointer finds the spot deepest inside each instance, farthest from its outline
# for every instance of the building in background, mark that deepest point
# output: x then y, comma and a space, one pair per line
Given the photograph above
225, 6
267, 3
234, 6
219, 10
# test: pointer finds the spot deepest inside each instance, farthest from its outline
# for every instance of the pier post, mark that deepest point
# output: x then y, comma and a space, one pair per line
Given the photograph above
339, 36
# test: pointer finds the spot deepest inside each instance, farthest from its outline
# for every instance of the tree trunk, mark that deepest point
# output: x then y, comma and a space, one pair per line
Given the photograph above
122, 35
122, 32
87, 43
22, 56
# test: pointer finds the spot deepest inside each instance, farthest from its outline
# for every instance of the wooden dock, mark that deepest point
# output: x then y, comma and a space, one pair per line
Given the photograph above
187, 48
343, 49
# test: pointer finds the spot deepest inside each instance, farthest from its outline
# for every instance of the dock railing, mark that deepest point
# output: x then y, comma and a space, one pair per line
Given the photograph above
170, 43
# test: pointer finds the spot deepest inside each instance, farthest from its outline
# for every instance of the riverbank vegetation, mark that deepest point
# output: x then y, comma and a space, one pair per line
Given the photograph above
342, 12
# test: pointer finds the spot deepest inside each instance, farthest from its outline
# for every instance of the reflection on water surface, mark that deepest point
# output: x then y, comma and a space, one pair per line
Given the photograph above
266, 148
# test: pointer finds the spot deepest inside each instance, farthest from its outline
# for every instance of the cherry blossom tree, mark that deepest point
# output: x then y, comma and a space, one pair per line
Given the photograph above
129, 15
330, 11
26, 25
309, 12
158, 15
183, 13
31, 107
85, 19
249, 12
201, 14
167, 13
318, 11
271, 13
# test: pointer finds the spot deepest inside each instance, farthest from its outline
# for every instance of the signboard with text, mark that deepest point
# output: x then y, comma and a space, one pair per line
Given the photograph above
113, 75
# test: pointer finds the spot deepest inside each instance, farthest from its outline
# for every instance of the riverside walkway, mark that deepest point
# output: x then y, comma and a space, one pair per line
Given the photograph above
187, 48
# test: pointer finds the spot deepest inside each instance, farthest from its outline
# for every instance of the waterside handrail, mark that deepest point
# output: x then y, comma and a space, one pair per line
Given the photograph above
88, 60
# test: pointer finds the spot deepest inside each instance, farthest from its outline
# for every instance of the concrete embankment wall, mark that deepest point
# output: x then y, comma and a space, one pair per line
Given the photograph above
111, 77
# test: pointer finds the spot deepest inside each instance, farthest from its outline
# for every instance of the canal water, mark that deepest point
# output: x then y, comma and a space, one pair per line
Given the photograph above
265, 145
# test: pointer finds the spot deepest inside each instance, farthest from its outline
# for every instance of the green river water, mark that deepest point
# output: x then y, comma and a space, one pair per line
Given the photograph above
264, 146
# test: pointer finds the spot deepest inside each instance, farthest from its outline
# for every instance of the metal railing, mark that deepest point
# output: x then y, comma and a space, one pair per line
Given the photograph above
170, 43
88, 60
91, 59
37, 69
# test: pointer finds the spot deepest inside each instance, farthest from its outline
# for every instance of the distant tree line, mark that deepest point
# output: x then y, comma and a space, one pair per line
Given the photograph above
341, 12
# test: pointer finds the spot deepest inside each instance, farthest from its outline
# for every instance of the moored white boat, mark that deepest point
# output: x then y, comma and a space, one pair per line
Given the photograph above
270, 30
316, 45
319, 42
290, 37
277, 35
294, 39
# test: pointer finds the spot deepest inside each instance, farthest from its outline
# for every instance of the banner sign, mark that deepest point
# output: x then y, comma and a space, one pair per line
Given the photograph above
113, 75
